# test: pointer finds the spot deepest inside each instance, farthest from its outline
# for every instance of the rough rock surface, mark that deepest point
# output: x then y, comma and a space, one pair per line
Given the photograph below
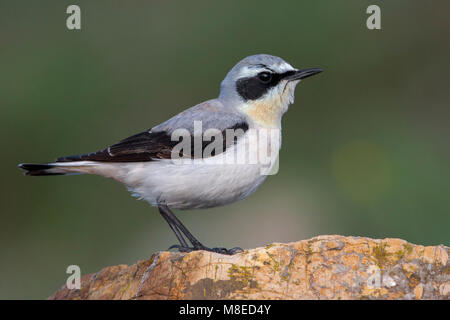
324, 267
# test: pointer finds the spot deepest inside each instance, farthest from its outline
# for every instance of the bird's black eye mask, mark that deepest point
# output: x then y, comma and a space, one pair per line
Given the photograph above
252, 88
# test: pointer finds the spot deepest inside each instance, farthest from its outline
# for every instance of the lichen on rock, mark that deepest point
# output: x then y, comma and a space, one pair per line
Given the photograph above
324, 267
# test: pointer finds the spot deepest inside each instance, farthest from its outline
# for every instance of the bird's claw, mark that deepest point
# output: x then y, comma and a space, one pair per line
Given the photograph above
227, 251
216, 250
181, 248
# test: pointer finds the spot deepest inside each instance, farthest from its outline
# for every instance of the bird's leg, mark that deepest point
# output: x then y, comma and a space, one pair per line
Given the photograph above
174, 228
177, 226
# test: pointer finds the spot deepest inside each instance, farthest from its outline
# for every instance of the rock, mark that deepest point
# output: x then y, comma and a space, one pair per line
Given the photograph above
324, 267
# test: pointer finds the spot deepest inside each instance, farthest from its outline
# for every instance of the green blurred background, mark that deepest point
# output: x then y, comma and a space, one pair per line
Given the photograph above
365, 146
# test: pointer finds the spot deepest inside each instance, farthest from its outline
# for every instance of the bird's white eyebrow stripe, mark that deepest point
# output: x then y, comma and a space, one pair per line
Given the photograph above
249, 71
253, 70
263, 66
285, 67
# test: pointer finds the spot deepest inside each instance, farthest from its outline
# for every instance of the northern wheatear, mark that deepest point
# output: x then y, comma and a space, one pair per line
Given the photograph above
253, 97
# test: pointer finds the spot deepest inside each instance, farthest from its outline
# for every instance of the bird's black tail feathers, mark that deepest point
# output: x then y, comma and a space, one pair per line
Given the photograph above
36, 169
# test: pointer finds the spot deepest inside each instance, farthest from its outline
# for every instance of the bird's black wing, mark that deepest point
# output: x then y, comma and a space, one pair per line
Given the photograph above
145, 146
140, 147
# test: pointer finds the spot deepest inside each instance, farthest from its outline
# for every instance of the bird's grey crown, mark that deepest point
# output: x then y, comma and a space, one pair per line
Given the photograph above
257, 60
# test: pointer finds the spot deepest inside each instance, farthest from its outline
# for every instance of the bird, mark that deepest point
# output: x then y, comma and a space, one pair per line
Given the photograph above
173, 165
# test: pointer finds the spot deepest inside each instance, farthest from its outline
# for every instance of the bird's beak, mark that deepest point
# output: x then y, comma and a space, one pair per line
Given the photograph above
302, 74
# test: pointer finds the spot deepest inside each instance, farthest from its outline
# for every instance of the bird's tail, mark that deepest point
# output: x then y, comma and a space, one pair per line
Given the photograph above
52, 169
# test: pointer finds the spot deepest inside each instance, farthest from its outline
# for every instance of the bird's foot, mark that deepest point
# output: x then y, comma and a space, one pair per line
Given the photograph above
225, 250
216, 250
181, 248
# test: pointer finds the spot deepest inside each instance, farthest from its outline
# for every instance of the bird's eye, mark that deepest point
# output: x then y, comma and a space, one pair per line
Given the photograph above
264, 77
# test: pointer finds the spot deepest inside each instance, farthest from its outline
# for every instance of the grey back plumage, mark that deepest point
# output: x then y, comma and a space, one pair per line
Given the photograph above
212, 113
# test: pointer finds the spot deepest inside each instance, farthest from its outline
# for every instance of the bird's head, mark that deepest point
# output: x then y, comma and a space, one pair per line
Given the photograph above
262, 86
